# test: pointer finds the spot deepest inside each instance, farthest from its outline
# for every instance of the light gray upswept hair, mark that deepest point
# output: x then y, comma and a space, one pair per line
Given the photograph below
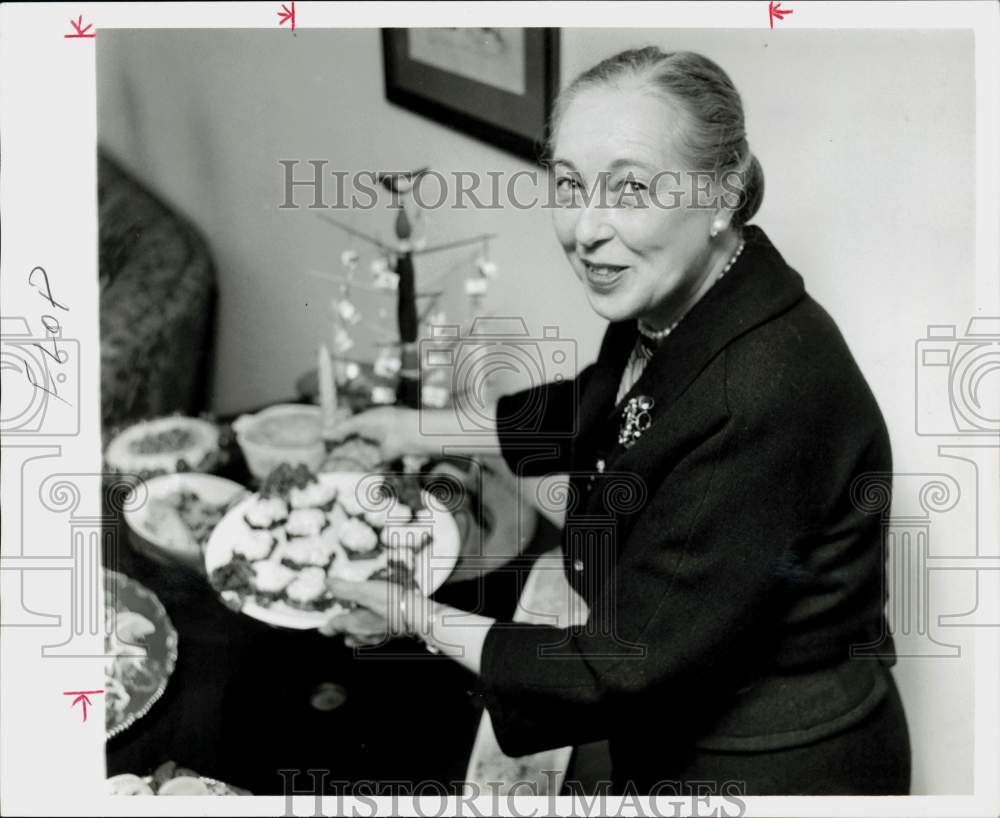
711, 135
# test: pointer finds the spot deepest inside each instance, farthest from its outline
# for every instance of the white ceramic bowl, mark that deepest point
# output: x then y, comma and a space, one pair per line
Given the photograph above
287, 433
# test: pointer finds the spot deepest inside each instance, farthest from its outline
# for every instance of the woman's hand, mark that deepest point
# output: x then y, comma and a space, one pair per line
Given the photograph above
360, 627
386, 610
395, 428
401, 430
377, 617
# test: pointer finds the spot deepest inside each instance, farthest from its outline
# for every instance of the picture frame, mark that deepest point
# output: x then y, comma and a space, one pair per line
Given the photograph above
497, 85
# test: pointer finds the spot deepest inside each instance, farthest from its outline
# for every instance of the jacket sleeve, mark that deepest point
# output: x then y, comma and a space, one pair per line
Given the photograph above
690, 598
537, 426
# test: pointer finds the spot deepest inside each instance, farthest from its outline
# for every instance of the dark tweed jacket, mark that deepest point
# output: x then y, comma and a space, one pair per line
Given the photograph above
727, 571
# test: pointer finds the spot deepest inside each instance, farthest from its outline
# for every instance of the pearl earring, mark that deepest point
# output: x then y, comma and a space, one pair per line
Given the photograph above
715, 229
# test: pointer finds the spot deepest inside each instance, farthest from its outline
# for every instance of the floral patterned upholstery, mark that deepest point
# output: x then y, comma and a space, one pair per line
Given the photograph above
157, 303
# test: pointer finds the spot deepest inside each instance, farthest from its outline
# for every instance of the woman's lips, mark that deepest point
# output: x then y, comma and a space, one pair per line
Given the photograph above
603, 277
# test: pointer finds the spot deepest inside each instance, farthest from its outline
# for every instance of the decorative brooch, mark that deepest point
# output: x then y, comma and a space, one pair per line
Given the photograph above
636, 419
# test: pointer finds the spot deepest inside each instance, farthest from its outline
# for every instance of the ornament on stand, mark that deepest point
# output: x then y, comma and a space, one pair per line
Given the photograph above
342, 341
349, 259
435, 390
437, 319
385, 281
352, 370
383, 395
487, 269
396, 371
387, 363
346, 310
476, 287
381, 266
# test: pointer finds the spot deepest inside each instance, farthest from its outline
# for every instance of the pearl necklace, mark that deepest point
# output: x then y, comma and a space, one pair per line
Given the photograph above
660, 334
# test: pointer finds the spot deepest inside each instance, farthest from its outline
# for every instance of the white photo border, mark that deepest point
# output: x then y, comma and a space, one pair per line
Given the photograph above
51, 765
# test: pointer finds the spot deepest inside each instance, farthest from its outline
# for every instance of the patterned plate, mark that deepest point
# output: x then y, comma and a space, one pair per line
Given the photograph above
142, 651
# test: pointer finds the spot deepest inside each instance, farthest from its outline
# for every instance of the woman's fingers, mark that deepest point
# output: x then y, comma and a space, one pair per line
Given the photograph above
378, 596
379, 608
367, 641
363, 622
346, 427
357, 642
395, 430
372, 423
361, 628
337, 623
358, 623
355, 425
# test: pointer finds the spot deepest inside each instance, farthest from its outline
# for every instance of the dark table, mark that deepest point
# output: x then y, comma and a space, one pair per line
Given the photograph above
238, 705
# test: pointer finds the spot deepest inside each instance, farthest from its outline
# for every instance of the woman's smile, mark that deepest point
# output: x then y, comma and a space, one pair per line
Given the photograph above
602, 277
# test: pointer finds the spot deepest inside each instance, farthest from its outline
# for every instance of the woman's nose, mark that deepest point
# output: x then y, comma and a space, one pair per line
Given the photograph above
592, 226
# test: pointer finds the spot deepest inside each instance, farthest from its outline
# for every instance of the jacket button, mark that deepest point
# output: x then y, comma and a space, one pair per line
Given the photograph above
578, 565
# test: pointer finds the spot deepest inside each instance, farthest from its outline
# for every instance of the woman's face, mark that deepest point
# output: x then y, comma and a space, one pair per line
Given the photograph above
640, 251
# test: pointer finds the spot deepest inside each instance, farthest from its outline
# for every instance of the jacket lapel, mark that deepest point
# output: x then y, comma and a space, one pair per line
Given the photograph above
599, 396
759, 287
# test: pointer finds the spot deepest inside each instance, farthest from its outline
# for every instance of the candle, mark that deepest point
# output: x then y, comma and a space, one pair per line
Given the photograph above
327, 392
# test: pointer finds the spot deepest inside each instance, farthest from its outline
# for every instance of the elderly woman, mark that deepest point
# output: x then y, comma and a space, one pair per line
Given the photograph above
736, 581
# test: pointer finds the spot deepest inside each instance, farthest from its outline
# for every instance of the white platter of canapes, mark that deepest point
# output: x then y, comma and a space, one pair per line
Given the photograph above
273, 554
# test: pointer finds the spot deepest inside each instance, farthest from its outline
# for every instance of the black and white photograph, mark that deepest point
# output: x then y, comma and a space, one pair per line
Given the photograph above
580, 415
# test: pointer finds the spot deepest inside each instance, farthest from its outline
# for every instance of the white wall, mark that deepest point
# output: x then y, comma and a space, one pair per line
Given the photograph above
206, 125
866, 139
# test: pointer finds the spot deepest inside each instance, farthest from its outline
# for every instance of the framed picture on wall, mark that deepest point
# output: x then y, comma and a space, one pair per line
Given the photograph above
496, 84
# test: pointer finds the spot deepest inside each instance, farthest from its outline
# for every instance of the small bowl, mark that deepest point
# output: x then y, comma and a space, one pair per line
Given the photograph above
200, 452
287, 433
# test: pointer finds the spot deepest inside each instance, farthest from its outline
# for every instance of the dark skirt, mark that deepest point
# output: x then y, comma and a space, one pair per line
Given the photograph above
870, 758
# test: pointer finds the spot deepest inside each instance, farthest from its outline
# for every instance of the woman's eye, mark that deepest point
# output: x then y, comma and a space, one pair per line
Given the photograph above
629, 192
629, 185
566, 183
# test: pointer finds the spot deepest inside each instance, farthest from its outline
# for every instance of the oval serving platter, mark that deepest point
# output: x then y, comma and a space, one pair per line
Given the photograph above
432, 565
